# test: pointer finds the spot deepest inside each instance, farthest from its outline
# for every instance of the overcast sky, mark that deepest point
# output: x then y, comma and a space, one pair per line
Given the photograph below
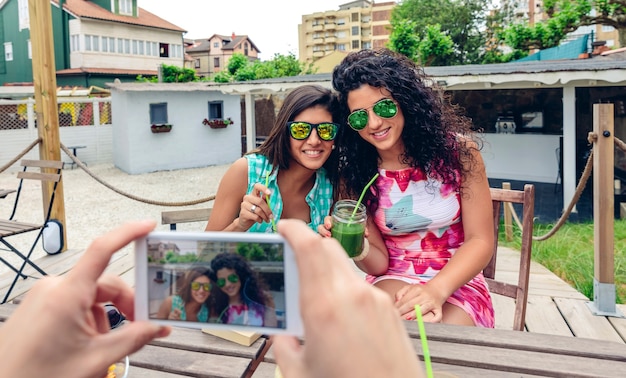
272, 25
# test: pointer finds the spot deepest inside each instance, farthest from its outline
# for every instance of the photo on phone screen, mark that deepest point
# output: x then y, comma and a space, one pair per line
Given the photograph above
228, 279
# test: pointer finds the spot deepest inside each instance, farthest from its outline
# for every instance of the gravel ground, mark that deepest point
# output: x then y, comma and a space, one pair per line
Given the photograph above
92, 209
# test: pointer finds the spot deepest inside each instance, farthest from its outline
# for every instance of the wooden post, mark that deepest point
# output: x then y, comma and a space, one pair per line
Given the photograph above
250, 122
508, 217
45, 86
603, 238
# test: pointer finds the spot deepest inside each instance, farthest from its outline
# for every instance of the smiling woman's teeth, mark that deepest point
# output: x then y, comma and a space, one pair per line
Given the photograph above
380, 133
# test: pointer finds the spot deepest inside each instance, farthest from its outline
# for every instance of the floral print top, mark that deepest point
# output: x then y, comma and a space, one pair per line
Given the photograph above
420, 221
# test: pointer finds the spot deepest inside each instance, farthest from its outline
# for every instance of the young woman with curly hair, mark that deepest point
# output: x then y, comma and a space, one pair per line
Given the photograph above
430, 231
241, 296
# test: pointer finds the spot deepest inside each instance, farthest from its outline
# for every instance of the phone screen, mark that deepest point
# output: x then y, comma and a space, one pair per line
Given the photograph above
206, 278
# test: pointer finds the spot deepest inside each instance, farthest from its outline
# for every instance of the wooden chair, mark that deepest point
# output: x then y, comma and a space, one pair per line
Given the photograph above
185, 216
519, 291
11, 227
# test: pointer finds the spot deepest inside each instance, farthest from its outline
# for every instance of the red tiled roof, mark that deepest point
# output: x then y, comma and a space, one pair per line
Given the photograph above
111, 71
87, 9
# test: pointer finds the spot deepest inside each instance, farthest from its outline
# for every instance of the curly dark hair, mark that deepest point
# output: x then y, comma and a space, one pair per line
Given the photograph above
252, 286
277, 146
434, 130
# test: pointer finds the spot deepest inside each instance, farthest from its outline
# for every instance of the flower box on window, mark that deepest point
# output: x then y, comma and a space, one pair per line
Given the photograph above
217, 123
161, 128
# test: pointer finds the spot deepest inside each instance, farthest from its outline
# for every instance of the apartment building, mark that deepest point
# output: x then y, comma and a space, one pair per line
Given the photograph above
354, 26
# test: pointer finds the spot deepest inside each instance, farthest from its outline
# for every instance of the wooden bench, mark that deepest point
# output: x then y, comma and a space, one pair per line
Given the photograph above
185, 216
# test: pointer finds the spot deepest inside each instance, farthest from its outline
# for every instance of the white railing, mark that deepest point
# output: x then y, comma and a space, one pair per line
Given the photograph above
83, 121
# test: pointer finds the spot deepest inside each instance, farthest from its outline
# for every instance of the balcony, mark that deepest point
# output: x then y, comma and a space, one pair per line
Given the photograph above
330, 39
330, 26
318, 27
318, 54
318, 40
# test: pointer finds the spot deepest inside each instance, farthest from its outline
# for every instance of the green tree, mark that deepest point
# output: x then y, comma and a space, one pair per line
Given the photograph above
565, 16
496, 22
436, 48
280, 66
462, 21
236, 62
403, 39
239, 68
223, 77
172, 74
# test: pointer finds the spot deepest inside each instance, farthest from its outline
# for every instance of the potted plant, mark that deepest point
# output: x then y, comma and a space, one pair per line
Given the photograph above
217, 123
163, 128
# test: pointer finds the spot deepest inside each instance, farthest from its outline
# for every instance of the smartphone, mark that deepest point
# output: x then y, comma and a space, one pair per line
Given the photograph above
218, 280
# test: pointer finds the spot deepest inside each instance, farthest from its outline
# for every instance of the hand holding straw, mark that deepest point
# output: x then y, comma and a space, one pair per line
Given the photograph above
420, 324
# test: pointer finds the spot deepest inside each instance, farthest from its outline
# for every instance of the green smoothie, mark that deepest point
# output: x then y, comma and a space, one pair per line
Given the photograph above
350, 236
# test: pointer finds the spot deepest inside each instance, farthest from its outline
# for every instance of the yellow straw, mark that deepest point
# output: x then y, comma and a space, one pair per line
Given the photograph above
267, 199
420, 325
358, 203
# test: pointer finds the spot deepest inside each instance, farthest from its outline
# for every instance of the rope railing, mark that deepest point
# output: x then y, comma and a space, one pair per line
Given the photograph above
128, 195
579, 188
591, 138
19, 156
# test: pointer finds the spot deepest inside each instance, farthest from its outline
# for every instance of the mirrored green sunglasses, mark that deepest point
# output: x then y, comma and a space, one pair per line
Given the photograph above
301, 130
385, 108
232, 278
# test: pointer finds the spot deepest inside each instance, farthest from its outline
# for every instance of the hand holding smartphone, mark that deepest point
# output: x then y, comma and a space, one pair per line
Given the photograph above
220, 280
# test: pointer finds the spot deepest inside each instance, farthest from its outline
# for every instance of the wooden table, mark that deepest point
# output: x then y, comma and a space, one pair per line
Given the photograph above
462, 351
188, 352
478, 352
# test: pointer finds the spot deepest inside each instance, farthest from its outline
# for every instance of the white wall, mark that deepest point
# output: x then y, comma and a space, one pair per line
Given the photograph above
524, 157
190, 144
96, 139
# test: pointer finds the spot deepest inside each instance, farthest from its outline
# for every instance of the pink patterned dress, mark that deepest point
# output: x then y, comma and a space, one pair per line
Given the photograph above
420, 221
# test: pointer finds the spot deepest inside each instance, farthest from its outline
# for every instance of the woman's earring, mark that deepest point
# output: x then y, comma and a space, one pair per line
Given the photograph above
332, 147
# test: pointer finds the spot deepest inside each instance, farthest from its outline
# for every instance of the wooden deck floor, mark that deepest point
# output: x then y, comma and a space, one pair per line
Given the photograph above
554, 307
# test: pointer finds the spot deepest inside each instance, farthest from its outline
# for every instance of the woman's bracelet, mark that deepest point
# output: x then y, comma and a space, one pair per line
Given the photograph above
364, 252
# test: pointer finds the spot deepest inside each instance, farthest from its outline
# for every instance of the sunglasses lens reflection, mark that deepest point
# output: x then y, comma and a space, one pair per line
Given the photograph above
385, 108
300, 130
327, 131
233, 278
358, 119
